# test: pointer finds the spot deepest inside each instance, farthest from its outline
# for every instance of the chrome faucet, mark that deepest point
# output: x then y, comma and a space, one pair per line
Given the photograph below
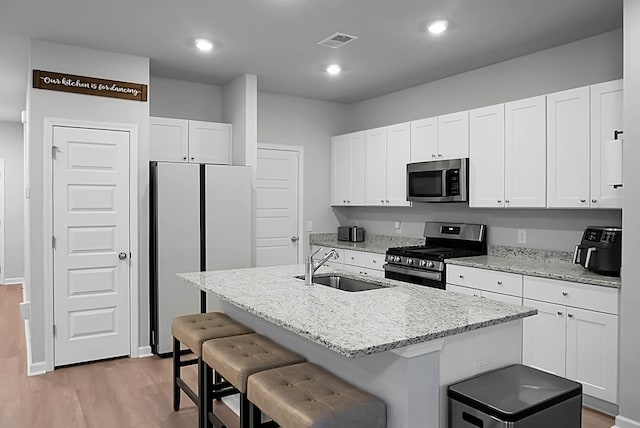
310, 268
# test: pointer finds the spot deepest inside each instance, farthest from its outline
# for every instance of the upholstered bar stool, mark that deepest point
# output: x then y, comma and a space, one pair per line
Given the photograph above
236, 359
192, 331
308, 396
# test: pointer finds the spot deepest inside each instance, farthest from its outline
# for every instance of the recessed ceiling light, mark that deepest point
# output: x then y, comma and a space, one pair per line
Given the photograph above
204, 45
334, 69
438, 27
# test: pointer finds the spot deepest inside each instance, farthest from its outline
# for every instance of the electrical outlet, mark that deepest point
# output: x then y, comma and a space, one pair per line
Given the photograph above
309, 226
482, 364
398, 226
522, 236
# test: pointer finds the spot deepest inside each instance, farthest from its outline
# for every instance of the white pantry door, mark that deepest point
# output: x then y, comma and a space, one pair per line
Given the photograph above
277, 237
91, 251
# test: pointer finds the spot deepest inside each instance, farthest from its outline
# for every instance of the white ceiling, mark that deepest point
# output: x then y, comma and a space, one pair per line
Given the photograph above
276, 39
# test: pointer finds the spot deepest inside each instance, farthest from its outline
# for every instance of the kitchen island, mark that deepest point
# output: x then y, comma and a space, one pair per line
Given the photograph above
403, 343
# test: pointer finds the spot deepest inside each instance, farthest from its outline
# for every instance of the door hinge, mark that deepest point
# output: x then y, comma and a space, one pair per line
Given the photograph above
53, 242
54, 330
54, 150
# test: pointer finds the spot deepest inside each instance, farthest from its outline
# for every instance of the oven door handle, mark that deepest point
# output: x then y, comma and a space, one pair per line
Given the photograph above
436, 276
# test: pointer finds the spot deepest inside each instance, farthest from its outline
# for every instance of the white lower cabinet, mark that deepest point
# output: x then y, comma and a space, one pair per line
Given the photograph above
579, 343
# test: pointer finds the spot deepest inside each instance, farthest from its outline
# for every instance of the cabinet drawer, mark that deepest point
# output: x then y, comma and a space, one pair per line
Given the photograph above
593, 297
463, 290
365, 260
484, 279
514, 300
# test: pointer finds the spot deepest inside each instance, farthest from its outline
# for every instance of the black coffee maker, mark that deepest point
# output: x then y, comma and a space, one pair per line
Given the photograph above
600, 250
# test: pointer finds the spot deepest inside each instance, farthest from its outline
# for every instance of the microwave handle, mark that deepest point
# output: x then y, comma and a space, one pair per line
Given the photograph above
444, 183
576, 255
587, 262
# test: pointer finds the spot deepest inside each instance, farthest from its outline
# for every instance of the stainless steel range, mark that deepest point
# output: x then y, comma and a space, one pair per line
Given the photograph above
424, 264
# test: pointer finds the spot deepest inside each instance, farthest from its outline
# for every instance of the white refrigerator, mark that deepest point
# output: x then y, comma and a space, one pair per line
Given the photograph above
200, 220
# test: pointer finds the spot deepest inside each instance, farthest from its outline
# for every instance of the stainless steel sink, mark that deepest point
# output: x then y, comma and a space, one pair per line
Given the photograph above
344, 283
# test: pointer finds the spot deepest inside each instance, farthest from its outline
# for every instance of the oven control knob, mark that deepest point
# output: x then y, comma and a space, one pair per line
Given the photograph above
430, 264
409, 261
423, 263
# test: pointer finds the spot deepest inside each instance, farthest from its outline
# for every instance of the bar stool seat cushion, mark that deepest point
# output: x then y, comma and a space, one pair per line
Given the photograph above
306, 395
236, 358
193, 330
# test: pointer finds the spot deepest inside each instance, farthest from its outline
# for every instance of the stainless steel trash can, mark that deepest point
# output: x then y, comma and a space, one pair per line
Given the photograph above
516, 397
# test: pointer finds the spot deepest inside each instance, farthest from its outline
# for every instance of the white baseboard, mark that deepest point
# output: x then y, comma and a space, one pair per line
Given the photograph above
144, 352
36, 369
33, 369
622, 422
13, 281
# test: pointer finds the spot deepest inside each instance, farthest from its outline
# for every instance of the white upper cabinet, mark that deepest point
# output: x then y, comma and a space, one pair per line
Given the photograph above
179, 140
169, 140
525, 153
606, 118
486, 157
568, 142
347, 169
424, 139
376, 167
209, 142
398, 155
453, 136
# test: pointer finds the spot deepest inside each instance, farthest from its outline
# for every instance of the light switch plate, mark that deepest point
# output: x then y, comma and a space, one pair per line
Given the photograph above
25, 311
522, 236
309, 226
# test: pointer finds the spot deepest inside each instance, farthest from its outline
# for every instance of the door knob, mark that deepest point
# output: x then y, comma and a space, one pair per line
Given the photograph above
122, 255
294, 239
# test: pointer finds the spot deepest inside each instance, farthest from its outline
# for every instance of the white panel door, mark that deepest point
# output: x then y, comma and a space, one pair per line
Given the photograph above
525, 151
606, 117
228, 217
544, 337
453, 135
398, 156
376, 167
91, 255
424, 139
486, 157
568, 166
357, 168
209, 142
169, 140
277, 237
592, 352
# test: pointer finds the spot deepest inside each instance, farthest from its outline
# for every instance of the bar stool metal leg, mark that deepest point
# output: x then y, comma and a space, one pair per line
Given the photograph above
176, 374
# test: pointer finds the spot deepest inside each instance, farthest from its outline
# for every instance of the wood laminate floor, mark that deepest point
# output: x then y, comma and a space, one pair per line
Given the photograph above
120, 393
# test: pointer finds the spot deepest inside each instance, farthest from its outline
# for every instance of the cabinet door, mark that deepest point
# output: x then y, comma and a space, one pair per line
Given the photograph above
592, 352
606, 117
398, 155
357, 168
453, 135
525, 151
376, 167
568, 149
340, 170
209, 142
168, 140
486, 157
544, 337
424, 139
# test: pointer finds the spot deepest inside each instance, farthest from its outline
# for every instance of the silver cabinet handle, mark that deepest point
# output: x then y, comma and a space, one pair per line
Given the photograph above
295, 238
439, 155
583, 200
565, 294
507, 201
192, 158
184, 158
499, 201
461, 276
570, 315
559, 313
499, 282
433, 155
122, 255
348, 201
593, 201
382, 200
374, 261
387, 201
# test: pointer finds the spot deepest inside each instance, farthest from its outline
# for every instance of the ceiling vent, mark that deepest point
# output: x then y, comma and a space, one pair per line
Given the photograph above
337, 40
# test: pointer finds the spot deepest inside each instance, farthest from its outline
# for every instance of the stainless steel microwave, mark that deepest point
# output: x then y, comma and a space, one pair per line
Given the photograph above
438, 181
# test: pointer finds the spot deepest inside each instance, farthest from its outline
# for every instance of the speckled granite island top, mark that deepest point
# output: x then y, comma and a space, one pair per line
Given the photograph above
353, 324
544, 269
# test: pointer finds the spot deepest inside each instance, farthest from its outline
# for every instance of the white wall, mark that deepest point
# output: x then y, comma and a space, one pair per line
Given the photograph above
14, 61
584, 62
592, 60
629, 371
184, 100
308, 123
11, 145
43, 104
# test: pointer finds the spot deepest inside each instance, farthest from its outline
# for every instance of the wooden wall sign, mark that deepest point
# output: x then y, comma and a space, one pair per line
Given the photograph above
64, 82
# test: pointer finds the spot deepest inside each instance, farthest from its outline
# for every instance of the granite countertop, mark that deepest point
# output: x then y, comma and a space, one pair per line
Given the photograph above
552, 268
353, 324
372, 243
